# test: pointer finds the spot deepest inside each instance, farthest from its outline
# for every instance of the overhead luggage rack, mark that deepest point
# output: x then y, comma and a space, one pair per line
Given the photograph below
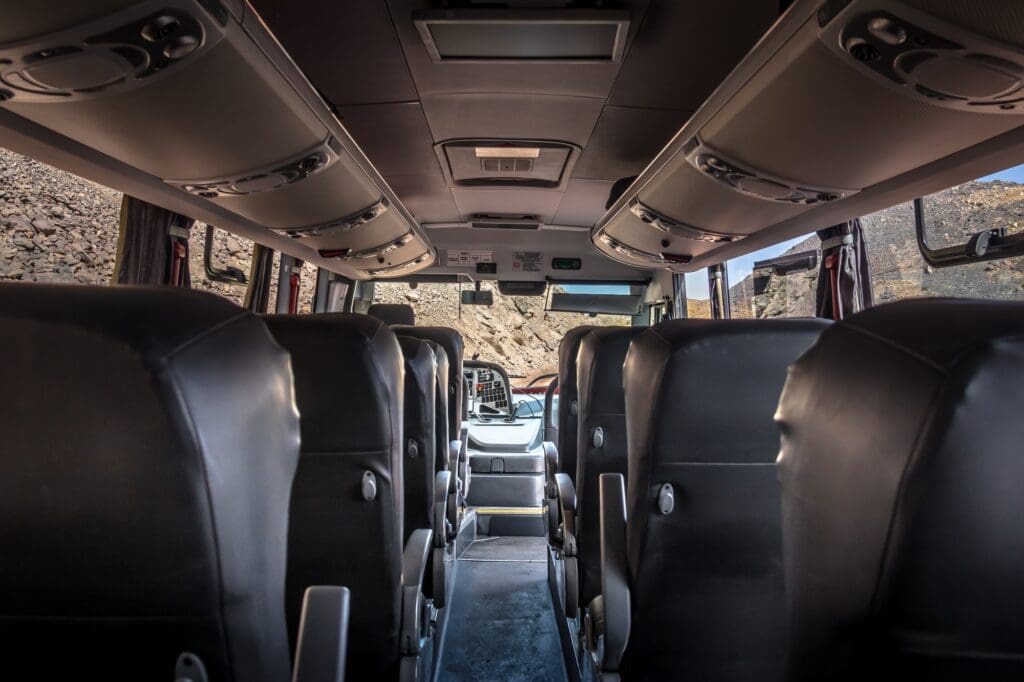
198, 94
842, 109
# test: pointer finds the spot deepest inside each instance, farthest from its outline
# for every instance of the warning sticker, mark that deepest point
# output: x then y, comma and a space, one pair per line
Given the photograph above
527, 261
468, 258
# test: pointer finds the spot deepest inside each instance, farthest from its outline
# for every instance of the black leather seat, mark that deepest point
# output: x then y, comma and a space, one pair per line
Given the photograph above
451, 341
420, 442
568, 399
346, 516
441, 423
601, 439
703, 542
150, 439
901, 469
393, 313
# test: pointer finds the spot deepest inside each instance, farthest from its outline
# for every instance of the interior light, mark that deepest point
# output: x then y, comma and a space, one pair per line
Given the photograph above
507, 152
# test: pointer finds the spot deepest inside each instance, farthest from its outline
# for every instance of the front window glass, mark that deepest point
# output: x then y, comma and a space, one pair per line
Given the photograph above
516, 332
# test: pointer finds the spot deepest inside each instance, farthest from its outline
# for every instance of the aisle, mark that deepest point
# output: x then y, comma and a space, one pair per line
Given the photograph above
502, 625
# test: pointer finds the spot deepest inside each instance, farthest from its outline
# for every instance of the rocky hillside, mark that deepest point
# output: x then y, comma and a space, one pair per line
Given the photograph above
55, 227
897, 269
515, 332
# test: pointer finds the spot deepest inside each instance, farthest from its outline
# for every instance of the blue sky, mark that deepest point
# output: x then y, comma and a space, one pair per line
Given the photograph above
1015, 174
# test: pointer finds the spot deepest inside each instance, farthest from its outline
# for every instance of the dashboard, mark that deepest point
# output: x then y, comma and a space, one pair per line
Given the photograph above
488, 390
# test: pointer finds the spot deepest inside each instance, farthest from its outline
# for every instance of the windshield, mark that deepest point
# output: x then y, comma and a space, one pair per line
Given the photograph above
516, 332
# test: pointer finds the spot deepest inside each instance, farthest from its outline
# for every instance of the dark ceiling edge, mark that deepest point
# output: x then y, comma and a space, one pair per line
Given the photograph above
631, 40
419, 101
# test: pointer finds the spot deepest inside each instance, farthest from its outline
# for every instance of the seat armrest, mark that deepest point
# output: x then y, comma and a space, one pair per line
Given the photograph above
323, 635
567, 509
441, 525
414, 567
550, 465
615, 597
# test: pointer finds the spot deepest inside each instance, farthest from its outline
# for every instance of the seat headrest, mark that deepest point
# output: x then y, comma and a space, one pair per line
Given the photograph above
393, 313
451, 341
151, 438
900, 466
343, 354
599, 369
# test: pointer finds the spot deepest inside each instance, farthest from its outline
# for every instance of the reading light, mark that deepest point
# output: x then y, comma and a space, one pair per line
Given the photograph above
508, 152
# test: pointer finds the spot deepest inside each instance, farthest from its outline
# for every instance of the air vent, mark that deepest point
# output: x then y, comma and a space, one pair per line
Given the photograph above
336, 227
674, 227
90, 61
754, 183
507, 163
933, 61
523, 35
280, 174
635, 254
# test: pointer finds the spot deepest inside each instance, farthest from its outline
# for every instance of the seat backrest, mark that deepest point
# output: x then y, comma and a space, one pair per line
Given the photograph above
393, 313
419, 441
568, 399
441, 406
601, 439
345, 521
452, 343
703, 532
901, 469
150, 439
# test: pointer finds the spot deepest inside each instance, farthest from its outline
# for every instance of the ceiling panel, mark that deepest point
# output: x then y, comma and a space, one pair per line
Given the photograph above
427, 196
583, 203
348, 50
625, 140
539, 202
394, 136
685, 48
503, 116
587, 80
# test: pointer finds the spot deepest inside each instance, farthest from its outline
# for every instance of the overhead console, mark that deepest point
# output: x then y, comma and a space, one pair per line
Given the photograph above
198, 94
824, 120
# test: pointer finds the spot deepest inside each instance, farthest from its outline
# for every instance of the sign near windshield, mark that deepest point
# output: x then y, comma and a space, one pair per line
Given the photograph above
526, 261
468, 258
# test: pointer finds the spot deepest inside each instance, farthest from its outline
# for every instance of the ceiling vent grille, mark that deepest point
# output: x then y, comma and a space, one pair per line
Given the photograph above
506, 165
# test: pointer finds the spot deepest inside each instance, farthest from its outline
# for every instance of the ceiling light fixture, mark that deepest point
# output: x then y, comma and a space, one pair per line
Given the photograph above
508, 152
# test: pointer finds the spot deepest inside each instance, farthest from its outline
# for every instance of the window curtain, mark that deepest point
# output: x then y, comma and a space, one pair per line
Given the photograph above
844, 281
152, 245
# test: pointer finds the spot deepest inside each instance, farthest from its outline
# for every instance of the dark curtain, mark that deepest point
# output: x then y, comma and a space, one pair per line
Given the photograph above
844, 281
149, 236
257, 296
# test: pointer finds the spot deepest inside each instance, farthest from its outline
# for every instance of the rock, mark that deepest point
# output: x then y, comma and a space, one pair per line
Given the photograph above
23, 243
412, 296
43, 226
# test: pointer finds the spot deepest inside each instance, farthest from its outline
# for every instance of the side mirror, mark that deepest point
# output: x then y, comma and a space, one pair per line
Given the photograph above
481, 297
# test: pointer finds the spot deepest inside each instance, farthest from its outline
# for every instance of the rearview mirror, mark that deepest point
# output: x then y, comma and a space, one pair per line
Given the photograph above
482, 297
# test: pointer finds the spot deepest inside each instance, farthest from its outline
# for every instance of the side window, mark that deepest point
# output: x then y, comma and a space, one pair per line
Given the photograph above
951, 218
698, 302
777, 281
55, 227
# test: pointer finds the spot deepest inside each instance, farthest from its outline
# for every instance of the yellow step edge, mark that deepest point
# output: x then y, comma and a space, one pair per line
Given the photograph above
511, 511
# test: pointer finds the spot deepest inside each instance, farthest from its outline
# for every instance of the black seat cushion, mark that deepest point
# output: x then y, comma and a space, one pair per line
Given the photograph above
568, 399
418, 425
601, 406
150, 438
706, 579
393, 313
451, 341
901, 469
348, 383
441, 406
